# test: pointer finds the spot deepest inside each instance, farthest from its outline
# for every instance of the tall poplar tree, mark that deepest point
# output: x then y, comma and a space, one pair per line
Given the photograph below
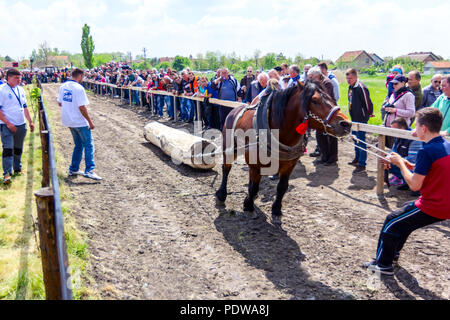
87, 46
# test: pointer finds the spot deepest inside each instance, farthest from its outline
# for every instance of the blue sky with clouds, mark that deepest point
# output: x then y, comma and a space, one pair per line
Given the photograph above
171, 27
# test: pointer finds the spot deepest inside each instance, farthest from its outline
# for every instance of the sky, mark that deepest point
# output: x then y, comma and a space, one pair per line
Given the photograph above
172, 27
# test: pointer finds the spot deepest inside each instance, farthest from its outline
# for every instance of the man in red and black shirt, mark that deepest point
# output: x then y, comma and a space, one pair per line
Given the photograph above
432, 177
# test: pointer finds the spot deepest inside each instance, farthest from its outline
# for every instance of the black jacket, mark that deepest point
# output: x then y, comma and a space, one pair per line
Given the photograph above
360, 104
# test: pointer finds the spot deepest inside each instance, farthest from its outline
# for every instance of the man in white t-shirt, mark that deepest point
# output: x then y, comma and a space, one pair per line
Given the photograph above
73, 101
13, 111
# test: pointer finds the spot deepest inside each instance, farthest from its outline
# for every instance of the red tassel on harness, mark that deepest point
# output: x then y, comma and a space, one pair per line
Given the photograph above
301, 129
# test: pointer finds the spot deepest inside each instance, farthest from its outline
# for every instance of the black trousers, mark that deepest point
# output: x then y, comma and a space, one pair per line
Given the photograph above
396, 230
328, 147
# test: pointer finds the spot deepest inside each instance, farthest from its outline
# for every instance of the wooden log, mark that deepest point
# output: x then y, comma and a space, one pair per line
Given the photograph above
181, 146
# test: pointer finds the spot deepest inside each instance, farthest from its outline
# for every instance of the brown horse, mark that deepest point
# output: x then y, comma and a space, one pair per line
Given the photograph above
286, 110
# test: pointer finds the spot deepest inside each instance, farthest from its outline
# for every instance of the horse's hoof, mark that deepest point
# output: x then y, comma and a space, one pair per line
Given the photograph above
219, 203
220, 196
276, 220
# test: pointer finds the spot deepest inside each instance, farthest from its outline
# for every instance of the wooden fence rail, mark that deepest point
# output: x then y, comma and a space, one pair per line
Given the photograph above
55, 264
381, 131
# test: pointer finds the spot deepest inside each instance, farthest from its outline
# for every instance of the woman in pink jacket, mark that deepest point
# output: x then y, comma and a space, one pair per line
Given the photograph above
401, 105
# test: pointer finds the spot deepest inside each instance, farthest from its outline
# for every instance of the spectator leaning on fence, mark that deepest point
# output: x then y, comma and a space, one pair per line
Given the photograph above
432, 177
432, 91
361, 109
73, 101
13, 112
227, 87
443, 104
256, 87
401, 104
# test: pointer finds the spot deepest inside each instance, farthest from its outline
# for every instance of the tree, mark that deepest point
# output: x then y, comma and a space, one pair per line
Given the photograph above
269, 61
8, 59
87, 47
180, 63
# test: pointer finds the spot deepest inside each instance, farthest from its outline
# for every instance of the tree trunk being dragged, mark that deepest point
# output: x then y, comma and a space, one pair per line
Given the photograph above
182, 147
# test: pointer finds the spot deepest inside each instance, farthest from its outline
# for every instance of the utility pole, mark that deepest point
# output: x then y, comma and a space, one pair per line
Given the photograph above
145, 54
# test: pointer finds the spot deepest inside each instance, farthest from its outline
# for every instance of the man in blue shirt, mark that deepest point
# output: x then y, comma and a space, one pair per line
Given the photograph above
227, 87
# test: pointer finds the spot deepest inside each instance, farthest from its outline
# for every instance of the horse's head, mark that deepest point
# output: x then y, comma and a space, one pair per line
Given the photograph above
322, 113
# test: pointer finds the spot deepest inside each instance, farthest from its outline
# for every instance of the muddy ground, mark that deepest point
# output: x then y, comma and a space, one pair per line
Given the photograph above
155, 232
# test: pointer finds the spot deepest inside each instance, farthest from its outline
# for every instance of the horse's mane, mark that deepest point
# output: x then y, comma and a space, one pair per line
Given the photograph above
279, 99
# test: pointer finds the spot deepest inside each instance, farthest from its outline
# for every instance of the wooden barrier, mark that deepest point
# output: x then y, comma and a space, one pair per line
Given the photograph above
380, 130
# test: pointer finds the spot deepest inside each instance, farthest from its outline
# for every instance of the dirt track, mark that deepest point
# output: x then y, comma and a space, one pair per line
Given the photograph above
155, 232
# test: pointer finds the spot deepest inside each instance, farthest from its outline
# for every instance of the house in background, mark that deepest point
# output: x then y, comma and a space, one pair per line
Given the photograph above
376, 59
433, 67
166, 59
355, 59
6, 65
422, 56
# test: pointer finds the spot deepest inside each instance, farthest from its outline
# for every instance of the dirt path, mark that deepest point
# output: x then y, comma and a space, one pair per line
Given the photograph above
155, 232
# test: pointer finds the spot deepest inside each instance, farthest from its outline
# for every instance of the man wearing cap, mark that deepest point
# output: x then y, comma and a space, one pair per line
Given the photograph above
13, 111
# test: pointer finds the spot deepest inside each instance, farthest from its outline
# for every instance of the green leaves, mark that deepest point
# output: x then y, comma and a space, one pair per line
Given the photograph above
87, 46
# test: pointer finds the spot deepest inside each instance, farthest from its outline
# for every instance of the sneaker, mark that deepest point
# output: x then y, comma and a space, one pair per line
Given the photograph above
395, 182
359, 169
330, 164
403, 187
354, 162
7, 180
75, 173
275, 177
373, 266
93, 176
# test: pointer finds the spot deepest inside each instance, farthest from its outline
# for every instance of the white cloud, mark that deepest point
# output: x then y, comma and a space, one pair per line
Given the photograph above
170, 27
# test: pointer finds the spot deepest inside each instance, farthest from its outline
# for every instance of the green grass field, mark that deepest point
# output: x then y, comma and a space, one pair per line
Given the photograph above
20, 261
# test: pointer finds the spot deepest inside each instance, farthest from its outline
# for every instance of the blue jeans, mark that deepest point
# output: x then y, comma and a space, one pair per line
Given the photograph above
158, 106
186, 109
360, 155
169, 103
12, 148
82, 138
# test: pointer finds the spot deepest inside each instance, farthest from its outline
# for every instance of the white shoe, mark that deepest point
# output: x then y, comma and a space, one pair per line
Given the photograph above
73, 174
93, 176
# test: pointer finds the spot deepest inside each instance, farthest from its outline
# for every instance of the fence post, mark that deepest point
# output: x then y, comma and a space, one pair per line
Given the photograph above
47, 239
141, 98
153, 103
45, 156
380, 173
175, 110
199, 116
130, 96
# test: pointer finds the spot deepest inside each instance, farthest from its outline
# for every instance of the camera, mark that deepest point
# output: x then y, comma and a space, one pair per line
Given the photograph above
387, 105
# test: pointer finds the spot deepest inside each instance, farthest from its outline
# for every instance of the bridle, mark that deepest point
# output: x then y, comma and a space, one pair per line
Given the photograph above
327, 120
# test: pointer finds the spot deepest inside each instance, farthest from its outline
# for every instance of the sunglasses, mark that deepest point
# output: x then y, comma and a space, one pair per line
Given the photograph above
437, 81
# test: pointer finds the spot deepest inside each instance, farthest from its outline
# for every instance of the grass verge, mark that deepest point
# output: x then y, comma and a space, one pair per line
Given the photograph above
20, 261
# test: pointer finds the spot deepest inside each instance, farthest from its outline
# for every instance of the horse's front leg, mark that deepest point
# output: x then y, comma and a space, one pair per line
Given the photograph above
283, 186
253, 188
222, 193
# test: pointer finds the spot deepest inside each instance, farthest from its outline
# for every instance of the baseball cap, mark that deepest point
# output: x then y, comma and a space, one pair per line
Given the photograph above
399, 78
